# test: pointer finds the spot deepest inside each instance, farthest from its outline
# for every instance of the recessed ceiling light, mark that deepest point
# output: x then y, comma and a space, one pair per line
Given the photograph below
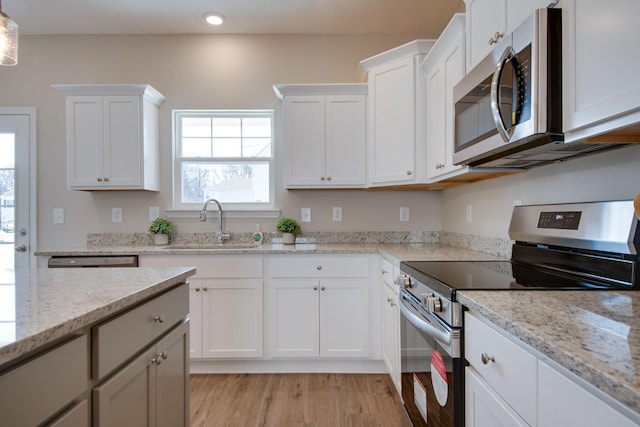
213, 18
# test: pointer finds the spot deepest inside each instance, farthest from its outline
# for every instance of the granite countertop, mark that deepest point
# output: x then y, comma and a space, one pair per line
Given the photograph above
594, 334
54, 303
394, 252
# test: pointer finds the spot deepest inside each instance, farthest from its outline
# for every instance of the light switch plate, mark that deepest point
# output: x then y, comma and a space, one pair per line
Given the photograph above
337, 213
116, 215
404, 214
154, 212
58, 215
305, 214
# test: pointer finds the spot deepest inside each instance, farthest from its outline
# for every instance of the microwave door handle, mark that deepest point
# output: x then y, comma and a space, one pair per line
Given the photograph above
443, 337
506, 56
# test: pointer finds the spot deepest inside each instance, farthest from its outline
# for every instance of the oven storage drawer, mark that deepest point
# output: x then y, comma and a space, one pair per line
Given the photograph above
143, 324
503, 364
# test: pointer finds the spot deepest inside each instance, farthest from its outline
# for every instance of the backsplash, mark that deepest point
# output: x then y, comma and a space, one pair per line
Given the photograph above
490, 245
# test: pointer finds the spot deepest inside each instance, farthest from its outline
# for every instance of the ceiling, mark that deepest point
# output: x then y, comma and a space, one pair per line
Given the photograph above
428, 17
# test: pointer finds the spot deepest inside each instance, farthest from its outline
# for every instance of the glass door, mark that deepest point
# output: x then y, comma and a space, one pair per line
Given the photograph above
16, 209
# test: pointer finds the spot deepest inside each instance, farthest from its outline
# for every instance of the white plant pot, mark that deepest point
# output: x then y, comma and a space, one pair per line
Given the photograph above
288, 238
161, 239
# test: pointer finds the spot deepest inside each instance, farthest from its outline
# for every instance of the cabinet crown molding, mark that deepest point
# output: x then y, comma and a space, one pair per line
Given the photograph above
283, 90
146, 90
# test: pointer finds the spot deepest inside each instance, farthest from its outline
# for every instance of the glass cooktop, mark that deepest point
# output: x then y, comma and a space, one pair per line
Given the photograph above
446, 277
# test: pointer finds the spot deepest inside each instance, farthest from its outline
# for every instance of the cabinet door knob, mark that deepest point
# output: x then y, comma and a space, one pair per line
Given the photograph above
486, 358
164, 355
159, 319
319, 267
197, 289
205, 289
99, 179
409, 173
322, 288
315, 288
106, 179
328, 178
322, 178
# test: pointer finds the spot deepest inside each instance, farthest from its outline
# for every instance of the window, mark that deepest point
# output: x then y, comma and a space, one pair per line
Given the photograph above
225, 155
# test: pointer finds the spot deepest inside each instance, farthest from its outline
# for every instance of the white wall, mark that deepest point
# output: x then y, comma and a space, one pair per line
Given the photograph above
613, 175
192, 71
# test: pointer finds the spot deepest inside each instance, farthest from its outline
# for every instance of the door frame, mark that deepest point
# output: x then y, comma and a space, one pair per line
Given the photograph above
30, 112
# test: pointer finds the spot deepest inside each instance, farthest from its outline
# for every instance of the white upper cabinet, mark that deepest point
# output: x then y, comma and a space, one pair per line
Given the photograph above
601, 88
490, 20
112, 137
396, 143
325, 135
444, 68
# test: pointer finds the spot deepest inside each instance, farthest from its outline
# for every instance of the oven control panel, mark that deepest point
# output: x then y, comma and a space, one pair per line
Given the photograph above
560, 220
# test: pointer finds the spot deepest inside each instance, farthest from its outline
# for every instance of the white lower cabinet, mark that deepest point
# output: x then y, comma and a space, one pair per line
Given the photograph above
484, 407
563, 403
150, 390
225, 304
390, 315
317, 306
509, 384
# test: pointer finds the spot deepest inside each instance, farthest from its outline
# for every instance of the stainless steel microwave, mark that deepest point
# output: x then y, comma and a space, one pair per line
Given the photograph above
508, 109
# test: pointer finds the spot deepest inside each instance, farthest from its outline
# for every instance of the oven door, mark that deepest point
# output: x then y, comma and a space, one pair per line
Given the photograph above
432, 380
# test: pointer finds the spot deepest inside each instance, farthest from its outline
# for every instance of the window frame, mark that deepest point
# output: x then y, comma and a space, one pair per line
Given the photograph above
267, 207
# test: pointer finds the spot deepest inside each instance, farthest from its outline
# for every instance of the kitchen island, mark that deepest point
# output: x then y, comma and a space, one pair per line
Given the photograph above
80, 332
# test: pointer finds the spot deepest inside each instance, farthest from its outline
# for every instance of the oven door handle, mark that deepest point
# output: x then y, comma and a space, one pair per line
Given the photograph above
442, 336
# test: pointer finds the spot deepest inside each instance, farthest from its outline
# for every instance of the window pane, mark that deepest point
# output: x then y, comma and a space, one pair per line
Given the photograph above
196, 126
256, 127
226, 126
196, 147
227, 147
256, 147
226, 182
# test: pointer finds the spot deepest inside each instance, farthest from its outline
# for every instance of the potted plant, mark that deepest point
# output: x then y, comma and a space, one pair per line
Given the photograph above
161, 228
289, 228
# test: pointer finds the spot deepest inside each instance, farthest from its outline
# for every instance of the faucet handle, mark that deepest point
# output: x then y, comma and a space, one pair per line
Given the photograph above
223, 236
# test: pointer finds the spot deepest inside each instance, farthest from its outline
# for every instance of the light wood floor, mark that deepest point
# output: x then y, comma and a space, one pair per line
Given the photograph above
295, 400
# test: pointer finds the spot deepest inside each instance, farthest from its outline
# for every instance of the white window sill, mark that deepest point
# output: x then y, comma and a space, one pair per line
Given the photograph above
228, 213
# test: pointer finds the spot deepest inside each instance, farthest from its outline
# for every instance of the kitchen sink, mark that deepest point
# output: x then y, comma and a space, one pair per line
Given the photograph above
224, 247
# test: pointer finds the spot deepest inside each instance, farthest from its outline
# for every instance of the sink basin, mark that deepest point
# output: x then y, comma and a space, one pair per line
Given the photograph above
224, 247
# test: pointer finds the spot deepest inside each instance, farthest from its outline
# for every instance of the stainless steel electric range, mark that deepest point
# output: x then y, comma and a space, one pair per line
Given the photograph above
577, 246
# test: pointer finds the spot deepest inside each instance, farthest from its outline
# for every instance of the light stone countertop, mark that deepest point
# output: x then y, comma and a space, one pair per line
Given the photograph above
594, 334
394, 252
54, 303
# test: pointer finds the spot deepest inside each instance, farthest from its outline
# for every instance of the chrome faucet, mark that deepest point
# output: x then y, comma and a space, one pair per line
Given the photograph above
222, 236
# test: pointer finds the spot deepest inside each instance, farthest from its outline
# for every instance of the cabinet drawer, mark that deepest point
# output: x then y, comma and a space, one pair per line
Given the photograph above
210, 266
388, 275
122, 337
35, 391
317, 266
507, 367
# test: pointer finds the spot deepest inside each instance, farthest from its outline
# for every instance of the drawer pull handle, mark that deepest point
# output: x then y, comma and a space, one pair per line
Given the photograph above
159, 319
486, 359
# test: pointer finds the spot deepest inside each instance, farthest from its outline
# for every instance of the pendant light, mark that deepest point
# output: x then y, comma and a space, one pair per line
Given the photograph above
8, 40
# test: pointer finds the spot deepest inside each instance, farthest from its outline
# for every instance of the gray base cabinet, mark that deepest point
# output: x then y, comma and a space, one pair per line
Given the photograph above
150, 390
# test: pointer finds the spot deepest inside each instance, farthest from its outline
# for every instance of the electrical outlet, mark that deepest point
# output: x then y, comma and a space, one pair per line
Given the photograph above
116, 215
469, 213
154, 212
404, 214
305, 214
337, 214
58, 215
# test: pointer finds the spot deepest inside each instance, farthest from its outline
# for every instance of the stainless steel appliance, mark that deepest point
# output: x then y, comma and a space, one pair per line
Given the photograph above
93, 261
576, 246
508, 109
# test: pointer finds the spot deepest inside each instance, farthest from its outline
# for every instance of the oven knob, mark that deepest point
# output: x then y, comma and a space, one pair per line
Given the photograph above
405, 281
434, 304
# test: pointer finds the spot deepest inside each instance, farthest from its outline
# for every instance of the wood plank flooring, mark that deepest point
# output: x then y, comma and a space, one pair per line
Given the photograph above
295, 400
